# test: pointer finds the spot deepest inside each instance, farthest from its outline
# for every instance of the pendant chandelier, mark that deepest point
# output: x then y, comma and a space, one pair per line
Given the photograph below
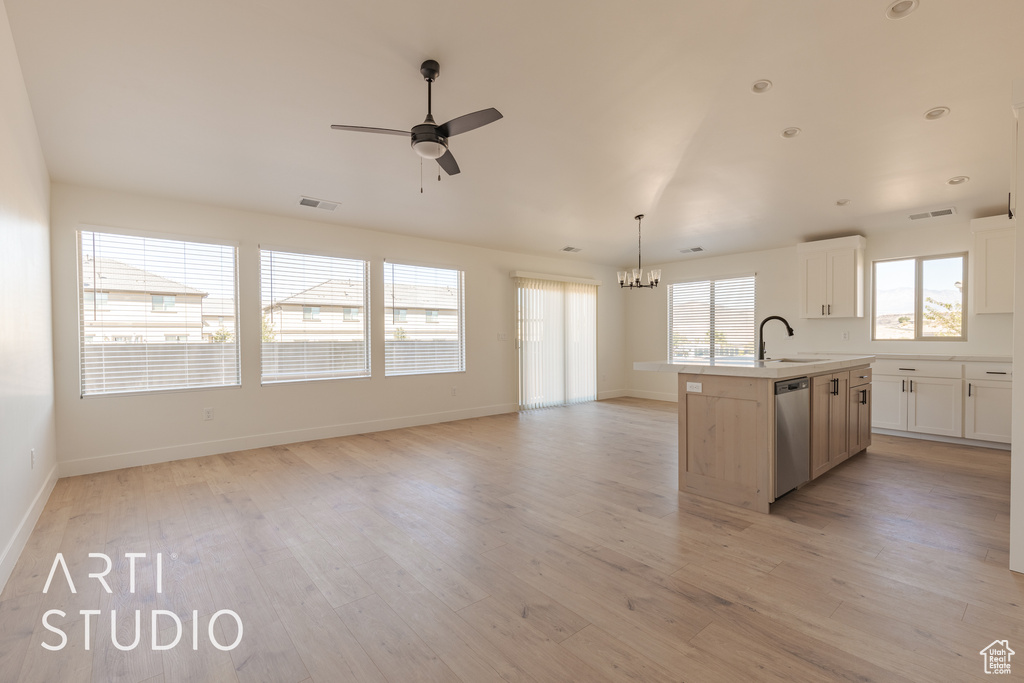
635, 279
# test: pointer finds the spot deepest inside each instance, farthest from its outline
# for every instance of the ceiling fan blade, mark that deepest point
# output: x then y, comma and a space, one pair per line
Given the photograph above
364, 129
447, 162
469, 122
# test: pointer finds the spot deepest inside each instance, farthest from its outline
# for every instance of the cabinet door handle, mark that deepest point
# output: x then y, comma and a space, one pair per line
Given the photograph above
989, 372
968, 390
863, 397
823, 309
909, 369
911, 386
830, 309
904, 389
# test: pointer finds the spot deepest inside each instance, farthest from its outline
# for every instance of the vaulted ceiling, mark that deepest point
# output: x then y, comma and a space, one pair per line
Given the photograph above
610, 109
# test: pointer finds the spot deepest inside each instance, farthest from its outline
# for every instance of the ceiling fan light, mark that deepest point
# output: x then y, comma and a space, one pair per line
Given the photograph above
429, 149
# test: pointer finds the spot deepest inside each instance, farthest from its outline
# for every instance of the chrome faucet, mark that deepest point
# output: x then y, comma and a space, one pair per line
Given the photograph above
760, 333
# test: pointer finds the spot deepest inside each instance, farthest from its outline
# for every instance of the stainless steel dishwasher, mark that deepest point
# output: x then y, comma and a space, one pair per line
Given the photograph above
792, 434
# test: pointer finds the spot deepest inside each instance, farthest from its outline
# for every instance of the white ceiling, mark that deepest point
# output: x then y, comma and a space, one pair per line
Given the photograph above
611, 109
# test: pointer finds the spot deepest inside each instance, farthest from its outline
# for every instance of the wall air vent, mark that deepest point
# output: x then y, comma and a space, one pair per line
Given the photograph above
571, 249
938, 213
318, 203
691, 250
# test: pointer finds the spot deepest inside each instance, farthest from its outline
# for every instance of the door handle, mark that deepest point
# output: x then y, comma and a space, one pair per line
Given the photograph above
911, 386
968, 390
904, 389
823, 309
830, 309
863, 397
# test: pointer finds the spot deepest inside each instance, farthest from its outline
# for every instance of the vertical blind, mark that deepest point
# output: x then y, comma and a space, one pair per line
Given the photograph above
424, 328
156, 314
315, 322
557, 337
711, 319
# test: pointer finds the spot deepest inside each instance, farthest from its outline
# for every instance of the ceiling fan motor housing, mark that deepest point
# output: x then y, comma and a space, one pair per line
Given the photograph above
427, 142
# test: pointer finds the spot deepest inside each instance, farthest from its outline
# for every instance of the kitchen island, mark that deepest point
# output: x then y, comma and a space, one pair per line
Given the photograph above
727, 421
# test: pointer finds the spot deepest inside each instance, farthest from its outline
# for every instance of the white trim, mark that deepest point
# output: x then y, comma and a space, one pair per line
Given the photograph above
423, 264
553, 278
105, 463
16, 544
311, 252
944, 439
653, 395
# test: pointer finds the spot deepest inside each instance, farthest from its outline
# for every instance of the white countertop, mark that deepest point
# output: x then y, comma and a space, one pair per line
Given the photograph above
748, 367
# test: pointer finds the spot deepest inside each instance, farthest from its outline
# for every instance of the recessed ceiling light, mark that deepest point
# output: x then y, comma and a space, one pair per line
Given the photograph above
763, 85
842, 202
790, 132
936, 113
957, 180
901, 8
571, 249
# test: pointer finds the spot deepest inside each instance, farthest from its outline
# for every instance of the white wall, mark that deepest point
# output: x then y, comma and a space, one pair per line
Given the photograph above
777, 294
99, 433
26, 372
1017, 436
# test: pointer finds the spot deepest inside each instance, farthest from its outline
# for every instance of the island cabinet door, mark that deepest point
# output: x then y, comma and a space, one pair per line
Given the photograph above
860, 418
839, 418
821, 402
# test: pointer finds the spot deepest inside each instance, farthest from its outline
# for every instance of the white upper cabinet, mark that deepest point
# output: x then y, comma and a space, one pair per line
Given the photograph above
832, 278
992, 267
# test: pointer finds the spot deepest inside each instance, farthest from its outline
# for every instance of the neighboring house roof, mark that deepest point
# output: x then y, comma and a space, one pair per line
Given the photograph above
112, 275
420, 296
329, 293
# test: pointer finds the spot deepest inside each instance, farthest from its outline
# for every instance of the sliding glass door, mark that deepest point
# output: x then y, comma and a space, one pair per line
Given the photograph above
557, 340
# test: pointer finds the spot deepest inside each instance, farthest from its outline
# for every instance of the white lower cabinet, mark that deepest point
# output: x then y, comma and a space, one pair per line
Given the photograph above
987, 410
965, 400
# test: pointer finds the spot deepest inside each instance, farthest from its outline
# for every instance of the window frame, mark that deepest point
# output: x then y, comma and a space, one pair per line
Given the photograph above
394, 319
86, 389
919, 297
365, 321
711, 357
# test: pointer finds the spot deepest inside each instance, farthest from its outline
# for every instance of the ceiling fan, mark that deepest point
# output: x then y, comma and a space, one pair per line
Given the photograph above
430, 140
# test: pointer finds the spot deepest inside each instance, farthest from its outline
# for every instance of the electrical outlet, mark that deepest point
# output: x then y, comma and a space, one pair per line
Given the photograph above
846, 336
33, 456
503, 336
695, 387
207, 413
453, 391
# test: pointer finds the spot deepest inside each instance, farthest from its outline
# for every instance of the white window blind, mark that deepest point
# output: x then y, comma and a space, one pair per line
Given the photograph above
557, 337
711, 319
315, 323
414, 343
156, 314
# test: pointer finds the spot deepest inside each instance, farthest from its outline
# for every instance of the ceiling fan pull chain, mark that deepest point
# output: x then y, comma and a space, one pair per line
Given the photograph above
421, 175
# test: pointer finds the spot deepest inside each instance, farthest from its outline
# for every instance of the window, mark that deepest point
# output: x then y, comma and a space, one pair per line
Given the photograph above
307, 331
96, 299
124, 347
163, 302
412, 348
350, 314
920, 299
557, 340
711, 320
432, 315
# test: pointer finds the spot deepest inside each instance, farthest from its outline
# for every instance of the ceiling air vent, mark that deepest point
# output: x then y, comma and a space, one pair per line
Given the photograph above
938, 213
691, 250
318, 203
571, 249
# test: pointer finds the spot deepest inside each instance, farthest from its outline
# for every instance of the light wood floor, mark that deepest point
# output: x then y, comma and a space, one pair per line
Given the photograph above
546, 546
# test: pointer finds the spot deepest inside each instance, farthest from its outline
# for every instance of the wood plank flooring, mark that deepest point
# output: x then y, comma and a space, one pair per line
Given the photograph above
544, 546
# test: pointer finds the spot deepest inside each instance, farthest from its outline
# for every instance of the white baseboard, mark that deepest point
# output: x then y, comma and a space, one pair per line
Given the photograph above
12, 551
654, 395
104, 463
942, 439
615, 393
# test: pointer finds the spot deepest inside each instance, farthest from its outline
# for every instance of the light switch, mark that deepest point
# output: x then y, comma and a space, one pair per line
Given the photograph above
694, 387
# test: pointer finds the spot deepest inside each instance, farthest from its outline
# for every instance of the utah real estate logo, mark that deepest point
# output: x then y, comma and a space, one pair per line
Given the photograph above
997, 657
